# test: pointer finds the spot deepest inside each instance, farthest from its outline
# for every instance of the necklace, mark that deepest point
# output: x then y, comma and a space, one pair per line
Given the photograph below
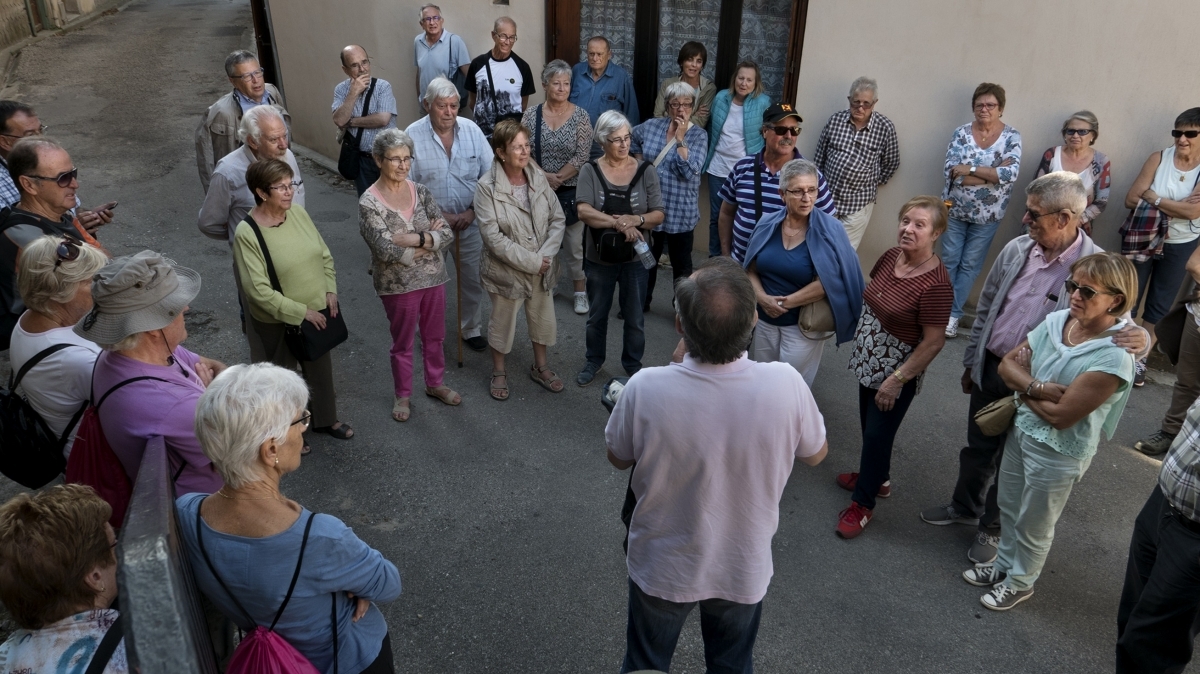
1070, 333
275, 497
910, 271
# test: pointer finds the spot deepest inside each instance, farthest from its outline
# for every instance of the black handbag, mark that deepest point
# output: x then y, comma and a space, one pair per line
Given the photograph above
349, 154
306, 342
32, 454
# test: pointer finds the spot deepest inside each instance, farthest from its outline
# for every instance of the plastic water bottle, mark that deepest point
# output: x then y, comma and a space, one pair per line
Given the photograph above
644, 254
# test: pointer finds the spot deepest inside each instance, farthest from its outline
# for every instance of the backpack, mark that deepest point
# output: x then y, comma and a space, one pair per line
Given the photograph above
263, 651
32, 454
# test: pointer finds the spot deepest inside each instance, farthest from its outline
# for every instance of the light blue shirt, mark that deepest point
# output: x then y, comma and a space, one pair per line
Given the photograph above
440, 60
246, 102
382, 100
452, 178
613, 91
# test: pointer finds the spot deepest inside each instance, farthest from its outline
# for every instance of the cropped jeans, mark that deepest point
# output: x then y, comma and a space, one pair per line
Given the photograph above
964, 249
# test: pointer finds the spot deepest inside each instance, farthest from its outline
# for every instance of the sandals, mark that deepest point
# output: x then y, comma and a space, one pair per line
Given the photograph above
306, 450
342, 432
444, 394
400, 410
499, 392
552, 384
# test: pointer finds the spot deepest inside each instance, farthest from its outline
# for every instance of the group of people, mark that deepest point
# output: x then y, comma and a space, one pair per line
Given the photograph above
582, 184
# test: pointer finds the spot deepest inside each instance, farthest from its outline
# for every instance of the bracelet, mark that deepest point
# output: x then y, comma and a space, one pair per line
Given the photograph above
1029, 389
1041, 387
422, 236
902, 379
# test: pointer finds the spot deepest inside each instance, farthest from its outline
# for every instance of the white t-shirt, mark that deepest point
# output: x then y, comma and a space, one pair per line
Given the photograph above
1171, 183
56, 387
714, 446
731, 145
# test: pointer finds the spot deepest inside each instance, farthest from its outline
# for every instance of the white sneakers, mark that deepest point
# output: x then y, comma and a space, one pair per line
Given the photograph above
952, 328
581, 303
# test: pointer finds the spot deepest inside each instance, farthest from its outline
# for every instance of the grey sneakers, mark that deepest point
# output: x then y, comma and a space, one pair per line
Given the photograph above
984, 575
1158, 443
1003, 597
946, 514
984, 549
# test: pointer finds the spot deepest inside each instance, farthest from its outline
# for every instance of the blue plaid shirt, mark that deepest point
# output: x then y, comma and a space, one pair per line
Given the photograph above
1180, 475
451, 179
679, 178
8, 189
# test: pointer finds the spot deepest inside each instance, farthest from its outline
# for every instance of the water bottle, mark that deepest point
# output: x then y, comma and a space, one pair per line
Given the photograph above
644, 254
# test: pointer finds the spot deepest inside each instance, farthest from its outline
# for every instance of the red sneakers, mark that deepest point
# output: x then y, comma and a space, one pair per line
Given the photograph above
849, 481
853, 520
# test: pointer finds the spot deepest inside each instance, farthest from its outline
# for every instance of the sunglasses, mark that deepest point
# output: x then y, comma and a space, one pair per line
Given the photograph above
1076, 132
786, 130
68, 251
1086, 292
63, 179
1191, 133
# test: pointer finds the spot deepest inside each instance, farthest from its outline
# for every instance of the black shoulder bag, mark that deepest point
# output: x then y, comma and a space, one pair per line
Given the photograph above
306, 342
496, 101
32, 454
349, 155
108, 645
611, 246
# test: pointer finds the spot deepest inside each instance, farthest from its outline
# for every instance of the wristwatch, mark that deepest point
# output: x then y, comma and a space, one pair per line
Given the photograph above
643, 221
1157, 202
901, 378
972, 170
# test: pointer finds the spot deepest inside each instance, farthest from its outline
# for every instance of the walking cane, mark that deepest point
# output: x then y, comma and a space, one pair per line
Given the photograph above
458, 294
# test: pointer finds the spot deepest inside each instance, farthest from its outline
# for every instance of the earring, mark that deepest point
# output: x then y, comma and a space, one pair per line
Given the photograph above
101, 588
277, 461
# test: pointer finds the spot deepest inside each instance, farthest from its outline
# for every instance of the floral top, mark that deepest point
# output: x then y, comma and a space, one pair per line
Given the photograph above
570, 143
1097, 180
64, 646
395, 269
987, 202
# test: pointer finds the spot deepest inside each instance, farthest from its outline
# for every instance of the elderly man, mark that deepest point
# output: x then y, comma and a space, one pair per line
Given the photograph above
436, 52
349, 98
451, 154
599, 85
47, 180
708, 540
858, 152
752, 188
217, 134
499, 82
1025, 284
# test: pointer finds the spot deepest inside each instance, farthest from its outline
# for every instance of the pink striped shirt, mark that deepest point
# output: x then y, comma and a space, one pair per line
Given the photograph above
1027, 302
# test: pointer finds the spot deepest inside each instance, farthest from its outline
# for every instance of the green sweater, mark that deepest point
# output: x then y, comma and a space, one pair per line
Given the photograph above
302, 261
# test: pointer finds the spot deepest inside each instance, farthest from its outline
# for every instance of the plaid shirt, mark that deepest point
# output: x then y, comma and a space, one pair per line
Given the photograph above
857, 161
8, 189
678, 178
382, 100
1144, 232
1180, 475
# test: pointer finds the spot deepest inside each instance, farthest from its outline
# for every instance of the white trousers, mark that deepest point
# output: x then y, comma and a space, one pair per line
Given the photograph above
856, 224
787, 344
470, 248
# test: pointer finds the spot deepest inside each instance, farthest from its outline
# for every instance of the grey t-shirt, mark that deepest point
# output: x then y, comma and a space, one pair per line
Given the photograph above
645, 196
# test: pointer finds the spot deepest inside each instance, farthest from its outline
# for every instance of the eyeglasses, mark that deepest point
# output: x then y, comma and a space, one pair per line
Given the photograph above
303, 420
430, 19
785, 130
396, 161
1191, 133
63, 179
986, 106
1076, 132
28, 134
501, 37
809, 192
620, 140
1086, 292
361, 65
861, 105
68, 251
1034, 215
250, 76
287, 187
681, 106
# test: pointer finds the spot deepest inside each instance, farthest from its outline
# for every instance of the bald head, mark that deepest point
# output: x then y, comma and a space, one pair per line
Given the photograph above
352, 54
716, 311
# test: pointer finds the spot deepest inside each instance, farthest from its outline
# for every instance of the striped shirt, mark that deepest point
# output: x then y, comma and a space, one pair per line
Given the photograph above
679, 178
382, 100
738, 190
1179, 478
857, 161
905, 305
1029, 299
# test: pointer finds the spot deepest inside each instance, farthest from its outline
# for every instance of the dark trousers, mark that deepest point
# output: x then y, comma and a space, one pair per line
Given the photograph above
368, 172
602, 280
1159, 279
1160, 603
879, 433
318, 374
975, 491
679, 250
714, 212
729, 630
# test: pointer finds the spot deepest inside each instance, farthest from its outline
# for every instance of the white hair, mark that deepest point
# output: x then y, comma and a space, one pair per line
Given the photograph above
609, 123
427, 6
251, 126
440, 88
679, 89
865, 84
242, 408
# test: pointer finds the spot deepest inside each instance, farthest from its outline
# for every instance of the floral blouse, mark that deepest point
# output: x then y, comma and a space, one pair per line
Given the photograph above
570, 143
63, 646
395, 269
987, 202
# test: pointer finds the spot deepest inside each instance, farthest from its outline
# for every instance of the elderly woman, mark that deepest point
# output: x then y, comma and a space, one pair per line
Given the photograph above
982, 164
406, 233
522, 225
55, 281
900, 332
1077, 155
1162, 229
692, 58
673, 144
1075, 382
797, 257
561, 141
304, 267
58, 578
137, 318
246, 541
733, 133
620, 201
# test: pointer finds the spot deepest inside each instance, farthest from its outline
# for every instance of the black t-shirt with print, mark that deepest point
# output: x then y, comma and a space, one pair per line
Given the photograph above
513, 79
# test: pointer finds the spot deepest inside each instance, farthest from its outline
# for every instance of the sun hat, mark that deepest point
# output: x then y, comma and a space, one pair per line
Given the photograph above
136, 293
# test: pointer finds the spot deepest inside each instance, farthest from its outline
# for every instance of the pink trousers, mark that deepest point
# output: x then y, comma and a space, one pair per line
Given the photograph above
406, 312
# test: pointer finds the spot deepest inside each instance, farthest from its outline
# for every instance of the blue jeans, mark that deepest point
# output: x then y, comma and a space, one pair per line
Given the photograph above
729, 631
602, 280
964, 248
1159, 279
714, 206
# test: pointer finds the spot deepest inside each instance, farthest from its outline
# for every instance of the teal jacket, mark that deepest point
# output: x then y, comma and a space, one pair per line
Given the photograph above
752, 120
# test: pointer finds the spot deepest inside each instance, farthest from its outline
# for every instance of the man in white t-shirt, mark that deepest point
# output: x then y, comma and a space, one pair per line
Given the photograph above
708, 485
499, 82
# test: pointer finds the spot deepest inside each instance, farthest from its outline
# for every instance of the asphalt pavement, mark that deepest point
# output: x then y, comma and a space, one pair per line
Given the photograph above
503, 516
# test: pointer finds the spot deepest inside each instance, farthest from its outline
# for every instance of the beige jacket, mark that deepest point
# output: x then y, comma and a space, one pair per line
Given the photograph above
515, 239
217, 134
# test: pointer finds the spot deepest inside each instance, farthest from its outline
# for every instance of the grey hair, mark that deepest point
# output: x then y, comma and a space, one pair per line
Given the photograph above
555, 67
1059, 190
863, 84
1087, 117
251, 125
44, 279
245, 406
716, 311
607, 42
440, 88
501, 21
421, 12
609, 123
236, 59
391, 138
797, 168
679, 90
